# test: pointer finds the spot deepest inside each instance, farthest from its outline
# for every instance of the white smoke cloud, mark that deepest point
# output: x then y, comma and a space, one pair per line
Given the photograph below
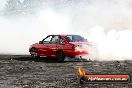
2, 4
113, 45
107, 23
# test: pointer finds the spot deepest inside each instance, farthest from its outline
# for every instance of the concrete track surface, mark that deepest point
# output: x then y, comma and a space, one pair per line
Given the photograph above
20, 71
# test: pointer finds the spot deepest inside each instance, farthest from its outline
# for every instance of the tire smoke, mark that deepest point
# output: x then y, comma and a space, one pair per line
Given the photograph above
107, 23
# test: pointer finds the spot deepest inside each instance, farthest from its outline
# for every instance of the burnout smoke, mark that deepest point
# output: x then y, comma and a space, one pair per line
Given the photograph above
107, 23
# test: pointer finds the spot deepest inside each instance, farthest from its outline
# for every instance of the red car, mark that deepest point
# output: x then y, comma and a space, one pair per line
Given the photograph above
60, 46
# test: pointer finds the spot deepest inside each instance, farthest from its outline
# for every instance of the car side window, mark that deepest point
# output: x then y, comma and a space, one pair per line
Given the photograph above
55, 39
47, 40
68, 38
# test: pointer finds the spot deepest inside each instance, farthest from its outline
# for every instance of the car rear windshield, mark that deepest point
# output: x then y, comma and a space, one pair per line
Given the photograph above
75, 38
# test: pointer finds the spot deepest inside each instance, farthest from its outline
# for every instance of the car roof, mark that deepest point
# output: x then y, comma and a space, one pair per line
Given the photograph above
64, 34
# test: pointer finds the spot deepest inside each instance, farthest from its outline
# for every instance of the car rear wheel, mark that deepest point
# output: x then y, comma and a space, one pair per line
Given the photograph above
60, 56
33, 53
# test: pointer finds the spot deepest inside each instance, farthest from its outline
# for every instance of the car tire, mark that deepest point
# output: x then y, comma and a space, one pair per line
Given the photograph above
34, 55
60, 56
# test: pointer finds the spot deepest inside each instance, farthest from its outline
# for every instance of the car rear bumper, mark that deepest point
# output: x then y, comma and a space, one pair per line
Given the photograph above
77, 52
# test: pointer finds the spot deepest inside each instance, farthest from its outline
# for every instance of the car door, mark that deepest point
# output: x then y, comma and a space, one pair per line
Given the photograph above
44, 47
53, 45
